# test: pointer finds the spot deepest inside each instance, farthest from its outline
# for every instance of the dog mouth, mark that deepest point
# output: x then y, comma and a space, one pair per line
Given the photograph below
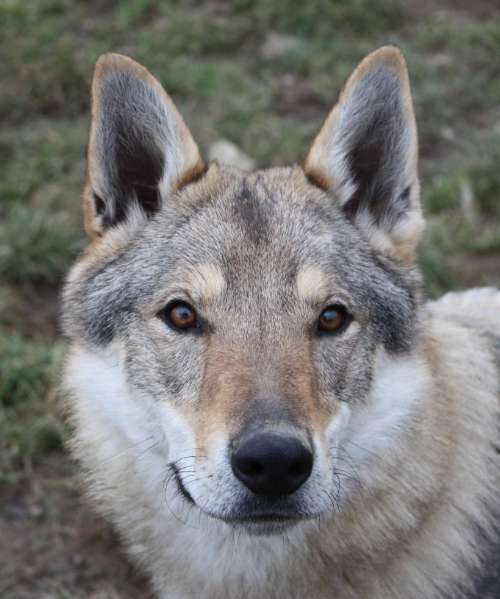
255, 520
259, 523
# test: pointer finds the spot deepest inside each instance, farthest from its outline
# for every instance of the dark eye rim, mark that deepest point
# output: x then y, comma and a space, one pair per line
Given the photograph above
164, 315
347, 319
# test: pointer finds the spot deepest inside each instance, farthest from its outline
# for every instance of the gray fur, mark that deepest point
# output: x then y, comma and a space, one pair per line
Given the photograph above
377, 140
131, 134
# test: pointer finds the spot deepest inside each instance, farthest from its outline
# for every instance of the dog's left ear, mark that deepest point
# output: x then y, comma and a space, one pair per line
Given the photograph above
366, 154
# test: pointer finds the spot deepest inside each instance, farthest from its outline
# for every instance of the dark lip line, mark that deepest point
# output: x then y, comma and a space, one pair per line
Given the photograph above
260, 518
182, 489
257, 518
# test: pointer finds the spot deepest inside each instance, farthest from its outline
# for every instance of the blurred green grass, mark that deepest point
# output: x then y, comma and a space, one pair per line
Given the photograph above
263, 74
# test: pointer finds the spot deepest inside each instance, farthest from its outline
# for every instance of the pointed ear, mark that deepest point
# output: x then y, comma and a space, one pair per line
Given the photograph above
140, 149
366, 154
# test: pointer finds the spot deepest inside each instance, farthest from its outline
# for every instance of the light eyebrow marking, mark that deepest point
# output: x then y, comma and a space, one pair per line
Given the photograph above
311, 284
207, 282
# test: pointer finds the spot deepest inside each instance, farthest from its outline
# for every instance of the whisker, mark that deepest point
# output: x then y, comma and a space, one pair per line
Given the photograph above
127, 450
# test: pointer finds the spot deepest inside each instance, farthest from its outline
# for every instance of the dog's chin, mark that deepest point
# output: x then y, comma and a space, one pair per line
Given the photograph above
265, 527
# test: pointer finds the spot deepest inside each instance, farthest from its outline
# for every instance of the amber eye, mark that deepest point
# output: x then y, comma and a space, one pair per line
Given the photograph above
334, 319
180, 315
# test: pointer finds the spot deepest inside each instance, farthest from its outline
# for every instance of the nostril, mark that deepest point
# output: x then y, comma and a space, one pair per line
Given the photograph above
301, 468
250, 467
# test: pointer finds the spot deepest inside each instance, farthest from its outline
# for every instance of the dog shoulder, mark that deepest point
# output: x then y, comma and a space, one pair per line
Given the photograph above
477, 310
479, 307
465, 333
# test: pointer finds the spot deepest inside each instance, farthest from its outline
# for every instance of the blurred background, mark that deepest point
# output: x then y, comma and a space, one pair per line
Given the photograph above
261, 74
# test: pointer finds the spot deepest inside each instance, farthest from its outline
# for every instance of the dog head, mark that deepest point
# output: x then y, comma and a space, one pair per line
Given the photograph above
259, 324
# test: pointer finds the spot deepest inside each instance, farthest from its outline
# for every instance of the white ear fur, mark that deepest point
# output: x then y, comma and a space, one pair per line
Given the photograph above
367, 151
140, 149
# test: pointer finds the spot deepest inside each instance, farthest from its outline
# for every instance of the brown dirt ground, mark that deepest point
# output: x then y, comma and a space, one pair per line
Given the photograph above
53, 547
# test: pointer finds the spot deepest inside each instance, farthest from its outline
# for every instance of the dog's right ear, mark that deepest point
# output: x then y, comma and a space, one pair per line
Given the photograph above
140, 149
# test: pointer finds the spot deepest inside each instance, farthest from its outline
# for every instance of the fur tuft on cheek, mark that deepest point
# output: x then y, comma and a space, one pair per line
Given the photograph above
98, 379
400, 386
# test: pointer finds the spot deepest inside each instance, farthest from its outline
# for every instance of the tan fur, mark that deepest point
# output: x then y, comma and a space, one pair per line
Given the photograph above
226, 384
232, 377
207, 282
193, 173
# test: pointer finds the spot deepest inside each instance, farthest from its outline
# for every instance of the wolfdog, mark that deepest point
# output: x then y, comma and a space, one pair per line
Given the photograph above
263, 403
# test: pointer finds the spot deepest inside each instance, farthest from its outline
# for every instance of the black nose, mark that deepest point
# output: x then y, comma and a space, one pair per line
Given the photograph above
272, 465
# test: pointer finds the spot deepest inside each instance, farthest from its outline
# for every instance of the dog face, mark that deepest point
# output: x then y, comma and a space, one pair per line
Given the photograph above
255, 325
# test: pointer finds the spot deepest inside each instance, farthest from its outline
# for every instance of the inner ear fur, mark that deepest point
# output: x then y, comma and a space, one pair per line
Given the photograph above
366, 154
140, 150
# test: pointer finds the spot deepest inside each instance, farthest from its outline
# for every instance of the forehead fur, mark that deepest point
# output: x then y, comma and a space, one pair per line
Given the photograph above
257, 242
